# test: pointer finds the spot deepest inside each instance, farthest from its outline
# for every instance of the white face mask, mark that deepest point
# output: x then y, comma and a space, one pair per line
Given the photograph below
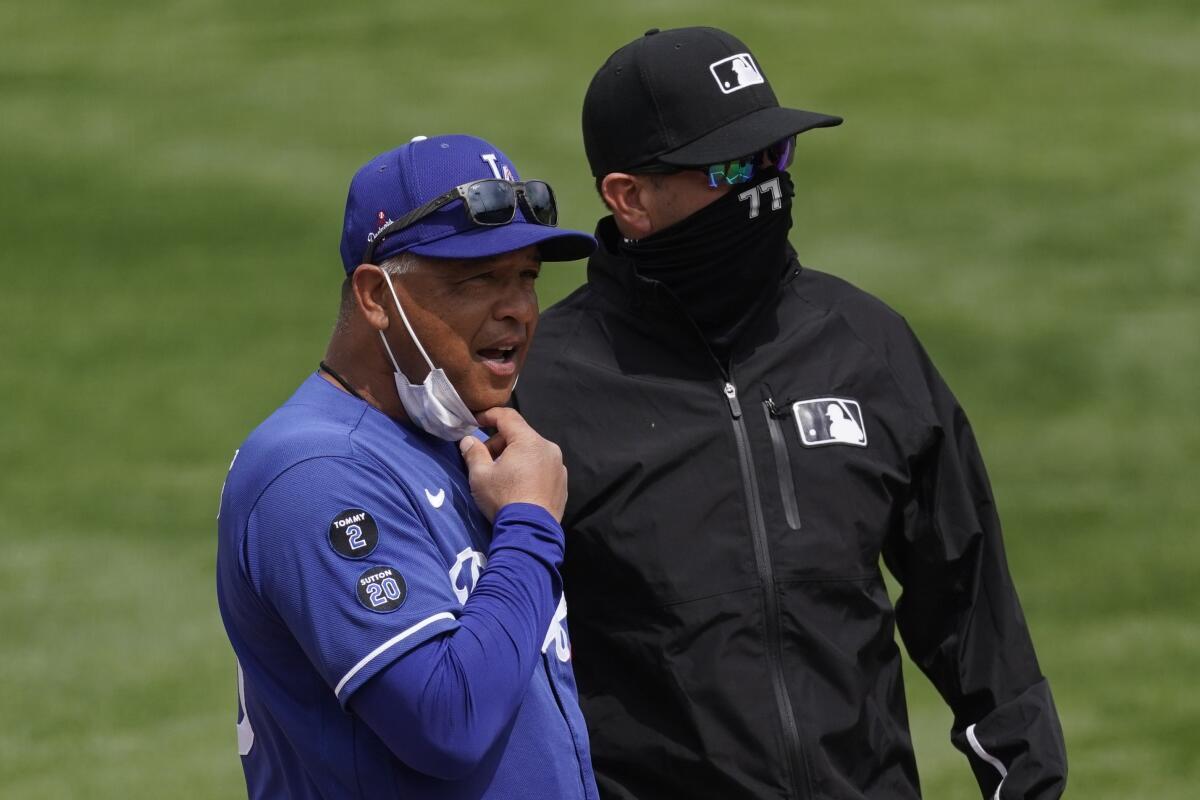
434, 406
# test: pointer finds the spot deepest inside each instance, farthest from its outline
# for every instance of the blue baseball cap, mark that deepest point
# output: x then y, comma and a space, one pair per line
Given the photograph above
396, 182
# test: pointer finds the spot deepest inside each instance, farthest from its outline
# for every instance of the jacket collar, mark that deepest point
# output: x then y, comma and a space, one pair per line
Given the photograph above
616, 278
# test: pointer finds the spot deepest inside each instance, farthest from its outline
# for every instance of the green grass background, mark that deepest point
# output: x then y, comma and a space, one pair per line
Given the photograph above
1021, 180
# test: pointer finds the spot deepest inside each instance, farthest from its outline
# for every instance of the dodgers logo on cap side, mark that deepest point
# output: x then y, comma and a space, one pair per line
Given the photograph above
736, 72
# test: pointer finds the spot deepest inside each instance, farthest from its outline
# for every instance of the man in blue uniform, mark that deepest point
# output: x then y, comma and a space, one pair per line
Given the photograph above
388, 579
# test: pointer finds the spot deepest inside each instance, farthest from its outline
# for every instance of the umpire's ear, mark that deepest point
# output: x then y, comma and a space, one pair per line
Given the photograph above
622, 193
371, 295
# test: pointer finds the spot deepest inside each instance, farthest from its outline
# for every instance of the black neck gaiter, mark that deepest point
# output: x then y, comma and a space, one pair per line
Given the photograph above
724, 262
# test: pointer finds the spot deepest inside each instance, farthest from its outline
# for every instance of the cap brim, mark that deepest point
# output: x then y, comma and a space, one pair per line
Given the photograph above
554, 244
753, 132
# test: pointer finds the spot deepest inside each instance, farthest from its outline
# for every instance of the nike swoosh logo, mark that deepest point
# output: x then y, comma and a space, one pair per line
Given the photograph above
436, 500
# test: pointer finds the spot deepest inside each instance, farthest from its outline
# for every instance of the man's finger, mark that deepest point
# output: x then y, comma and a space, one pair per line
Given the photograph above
474, 453
505, 420
496, 444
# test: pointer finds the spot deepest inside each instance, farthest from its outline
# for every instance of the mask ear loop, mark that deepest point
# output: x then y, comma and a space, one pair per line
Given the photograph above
412, 334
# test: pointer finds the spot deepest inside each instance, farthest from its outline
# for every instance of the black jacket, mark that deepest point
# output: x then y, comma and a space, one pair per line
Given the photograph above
732, 631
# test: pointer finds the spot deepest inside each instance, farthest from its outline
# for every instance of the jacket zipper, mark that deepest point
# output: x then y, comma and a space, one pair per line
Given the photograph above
783, 465
766, 574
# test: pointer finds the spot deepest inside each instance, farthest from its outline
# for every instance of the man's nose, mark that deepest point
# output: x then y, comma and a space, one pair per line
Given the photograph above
519, 301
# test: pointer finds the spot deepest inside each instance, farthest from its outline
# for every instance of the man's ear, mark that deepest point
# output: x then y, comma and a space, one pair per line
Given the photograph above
371, 295
624, 195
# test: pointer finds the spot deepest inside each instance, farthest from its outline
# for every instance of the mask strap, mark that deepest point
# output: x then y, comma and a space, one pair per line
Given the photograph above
408, 327
386, 346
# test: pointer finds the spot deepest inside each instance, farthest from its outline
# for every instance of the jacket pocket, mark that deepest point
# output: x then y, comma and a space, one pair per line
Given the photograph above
783, 466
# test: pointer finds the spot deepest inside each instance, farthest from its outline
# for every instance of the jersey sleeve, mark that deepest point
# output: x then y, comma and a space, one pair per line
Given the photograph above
337, 550
960, 617
448, 703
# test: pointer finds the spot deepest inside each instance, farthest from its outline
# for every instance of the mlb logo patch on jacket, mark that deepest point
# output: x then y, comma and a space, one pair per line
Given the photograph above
830, 420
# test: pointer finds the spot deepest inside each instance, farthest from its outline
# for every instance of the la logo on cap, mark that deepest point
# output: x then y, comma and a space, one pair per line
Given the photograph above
735, 72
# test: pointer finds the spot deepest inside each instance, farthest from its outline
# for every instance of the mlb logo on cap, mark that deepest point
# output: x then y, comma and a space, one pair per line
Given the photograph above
735, 72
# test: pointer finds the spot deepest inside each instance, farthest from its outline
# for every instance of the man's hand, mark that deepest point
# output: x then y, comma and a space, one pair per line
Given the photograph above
515, 466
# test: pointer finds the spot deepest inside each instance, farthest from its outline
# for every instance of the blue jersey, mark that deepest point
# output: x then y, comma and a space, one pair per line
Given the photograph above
347, 540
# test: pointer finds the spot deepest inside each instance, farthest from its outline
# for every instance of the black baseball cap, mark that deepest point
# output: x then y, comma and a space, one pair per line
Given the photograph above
685, 97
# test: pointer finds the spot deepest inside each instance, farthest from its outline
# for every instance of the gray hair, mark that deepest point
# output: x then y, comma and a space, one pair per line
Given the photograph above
400, 264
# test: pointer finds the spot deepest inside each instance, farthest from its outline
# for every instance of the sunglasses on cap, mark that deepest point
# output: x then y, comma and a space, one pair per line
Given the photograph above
734, 171
487, 202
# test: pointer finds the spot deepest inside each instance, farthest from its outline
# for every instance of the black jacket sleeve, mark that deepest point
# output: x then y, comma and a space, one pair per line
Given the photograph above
959, 616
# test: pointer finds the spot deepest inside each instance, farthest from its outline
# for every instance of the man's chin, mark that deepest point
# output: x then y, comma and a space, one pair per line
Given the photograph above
489, 399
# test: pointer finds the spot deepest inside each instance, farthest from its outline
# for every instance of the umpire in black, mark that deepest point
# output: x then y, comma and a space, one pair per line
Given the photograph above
747, 440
